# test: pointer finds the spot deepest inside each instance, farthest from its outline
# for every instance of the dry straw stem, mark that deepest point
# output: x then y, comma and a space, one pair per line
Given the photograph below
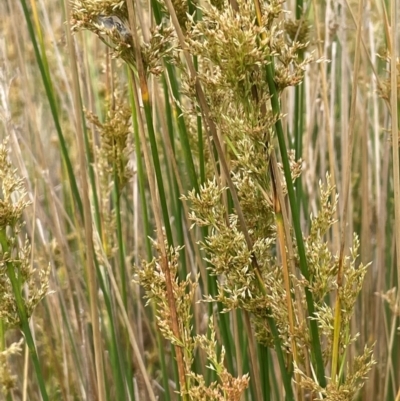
172, 158
345, 198
396, 165
90, 263
275, 173
329, 136
283, 235
156, 207
395, 131
131, 331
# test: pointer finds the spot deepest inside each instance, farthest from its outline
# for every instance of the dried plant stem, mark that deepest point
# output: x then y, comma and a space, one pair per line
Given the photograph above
90, 263
285, 267
346, 186
329, 134
289, 244
395, 131
394, 107
130, 330
366, 49
156, 208
175, 169
160, 236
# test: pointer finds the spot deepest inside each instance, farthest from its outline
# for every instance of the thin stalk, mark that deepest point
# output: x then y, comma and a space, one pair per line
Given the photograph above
169, 152
254, 367
337, 321
90, 258
394, 105
286, 377
92, 179
54, 112
140, 171
115, 351
295, 211
146, 227
160, 235
144, 90
40, 39
300, 314
263, 355
227, 341
123, 358
131, 334
395, 131
182, 130
236, 321
120, 239
298, 117
183, 134
299, 9
275, 387
286, 275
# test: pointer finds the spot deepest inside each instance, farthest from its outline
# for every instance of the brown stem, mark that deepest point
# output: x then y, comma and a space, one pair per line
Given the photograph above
156, 207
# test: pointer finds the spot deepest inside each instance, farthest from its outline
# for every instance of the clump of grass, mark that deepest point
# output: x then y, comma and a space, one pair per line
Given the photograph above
242, 67
258, 256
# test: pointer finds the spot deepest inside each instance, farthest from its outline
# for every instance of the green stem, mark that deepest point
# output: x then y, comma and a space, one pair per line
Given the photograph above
53, 109
22, 313
147, 232
315, 340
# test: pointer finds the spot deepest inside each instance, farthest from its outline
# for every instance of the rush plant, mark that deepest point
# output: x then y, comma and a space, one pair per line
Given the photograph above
208, 201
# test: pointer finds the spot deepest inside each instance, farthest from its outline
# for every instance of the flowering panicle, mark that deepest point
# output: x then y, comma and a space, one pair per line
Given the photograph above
15, 251
109, 21
16, 270
152, 278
